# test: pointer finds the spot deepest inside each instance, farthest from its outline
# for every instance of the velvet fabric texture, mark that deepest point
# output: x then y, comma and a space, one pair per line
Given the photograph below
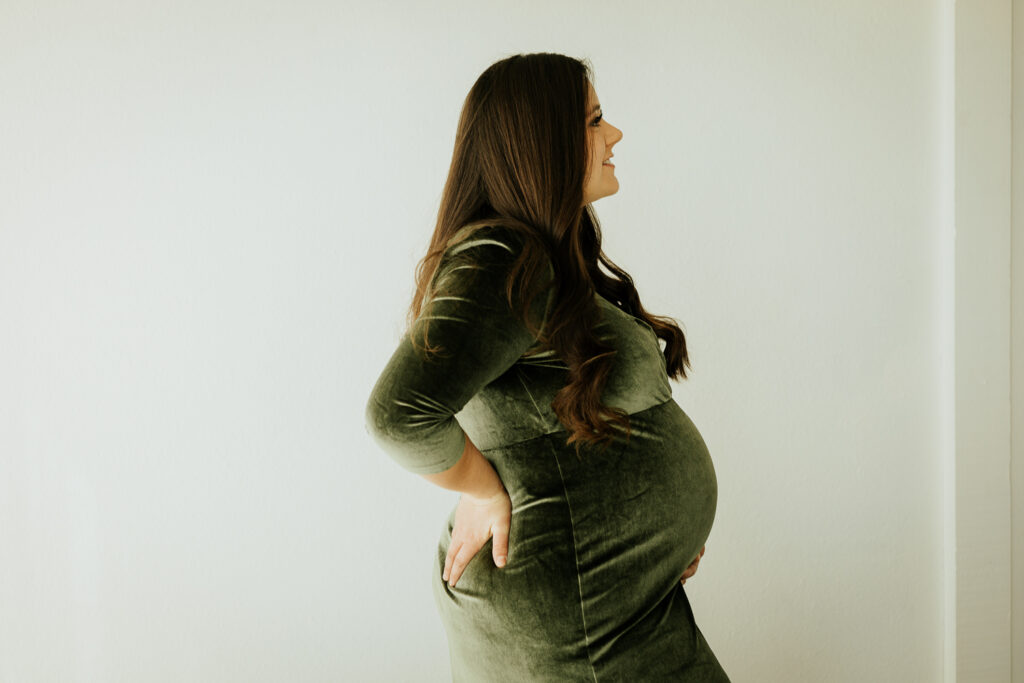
591, 588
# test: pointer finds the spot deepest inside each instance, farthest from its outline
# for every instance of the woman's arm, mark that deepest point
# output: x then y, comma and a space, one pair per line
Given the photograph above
472, 475
411, 409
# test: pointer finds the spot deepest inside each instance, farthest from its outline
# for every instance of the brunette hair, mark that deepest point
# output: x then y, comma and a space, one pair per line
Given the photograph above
520, 160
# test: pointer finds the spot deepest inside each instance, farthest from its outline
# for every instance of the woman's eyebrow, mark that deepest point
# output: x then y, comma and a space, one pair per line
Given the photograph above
596, 107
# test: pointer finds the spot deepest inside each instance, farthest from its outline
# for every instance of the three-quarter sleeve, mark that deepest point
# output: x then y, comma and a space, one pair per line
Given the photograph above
411, 408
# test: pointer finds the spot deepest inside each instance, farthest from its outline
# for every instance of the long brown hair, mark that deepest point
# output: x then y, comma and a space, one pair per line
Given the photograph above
520, 160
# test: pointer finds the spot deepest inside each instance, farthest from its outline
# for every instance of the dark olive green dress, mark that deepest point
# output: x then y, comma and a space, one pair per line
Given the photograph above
591, 589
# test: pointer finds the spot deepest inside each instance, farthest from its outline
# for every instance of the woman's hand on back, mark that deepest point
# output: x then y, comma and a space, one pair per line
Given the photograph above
476, 520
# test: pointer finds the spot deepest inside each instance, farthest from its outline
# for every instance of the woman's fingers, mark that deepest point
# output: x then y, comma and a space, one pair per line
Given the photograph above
696, 561
475, 522
462, 558
692, 569
450, 558
459, 555
500, 544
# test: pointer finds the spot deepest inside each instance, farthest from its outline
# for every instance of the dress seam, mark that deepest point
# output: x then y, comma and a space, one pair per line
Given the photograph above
576, 557
540, 415
557, 429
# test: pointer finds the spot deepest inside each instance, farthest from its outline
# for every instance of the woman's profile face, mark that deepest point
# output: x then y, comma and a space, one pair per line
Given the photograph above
601, 180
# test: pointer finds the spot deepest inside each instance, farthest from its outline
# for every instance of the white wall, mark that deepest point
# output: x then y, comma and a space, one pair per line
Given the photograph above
209, 215
979, 617
1017, 346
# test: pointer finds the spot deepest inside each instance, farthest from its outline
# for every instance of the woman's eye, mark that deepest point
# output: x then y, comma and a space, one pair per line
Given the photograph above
597, 121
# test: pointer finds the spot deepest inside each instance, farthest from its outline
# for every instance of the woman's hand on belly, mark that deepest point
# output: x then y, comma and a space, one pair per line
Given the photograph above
692, 569
476, 520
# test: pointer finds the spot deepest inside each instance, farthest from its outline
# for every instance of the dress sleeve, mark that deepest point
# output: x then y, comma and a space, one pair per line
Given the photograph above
411, 408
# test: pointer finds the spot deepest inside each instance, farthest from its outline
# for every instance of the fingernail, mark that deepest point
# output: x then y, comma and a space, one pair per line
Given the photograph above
501, 560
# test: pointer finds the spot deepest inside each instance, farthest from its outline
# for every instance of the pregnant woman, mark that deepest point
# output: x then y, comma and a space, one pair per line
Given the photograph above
536, 385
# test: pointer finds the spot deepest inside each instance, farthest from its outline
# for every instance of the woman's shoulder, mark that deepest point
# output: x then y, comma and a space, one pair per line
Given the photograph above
497, 246
507, 236
480, 257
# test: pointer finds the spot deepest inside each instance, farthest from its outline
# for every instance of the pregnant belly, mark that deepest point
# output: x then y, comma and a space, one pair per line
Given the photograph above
596, 549
624, 524
642, 510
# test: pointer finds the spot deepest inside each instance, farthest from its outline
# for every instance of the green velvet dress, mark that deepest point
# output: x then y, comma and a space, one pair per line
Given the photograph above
591, 588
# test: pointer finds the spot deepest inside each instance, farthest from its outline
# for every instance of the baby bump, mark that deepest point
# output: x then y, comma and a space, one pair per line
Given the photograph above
640, 513
669, 489
608, 534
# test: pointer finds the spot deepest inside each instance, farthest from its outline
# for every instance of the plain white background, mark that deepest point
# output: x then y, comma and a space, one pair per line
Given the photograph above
209, 216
